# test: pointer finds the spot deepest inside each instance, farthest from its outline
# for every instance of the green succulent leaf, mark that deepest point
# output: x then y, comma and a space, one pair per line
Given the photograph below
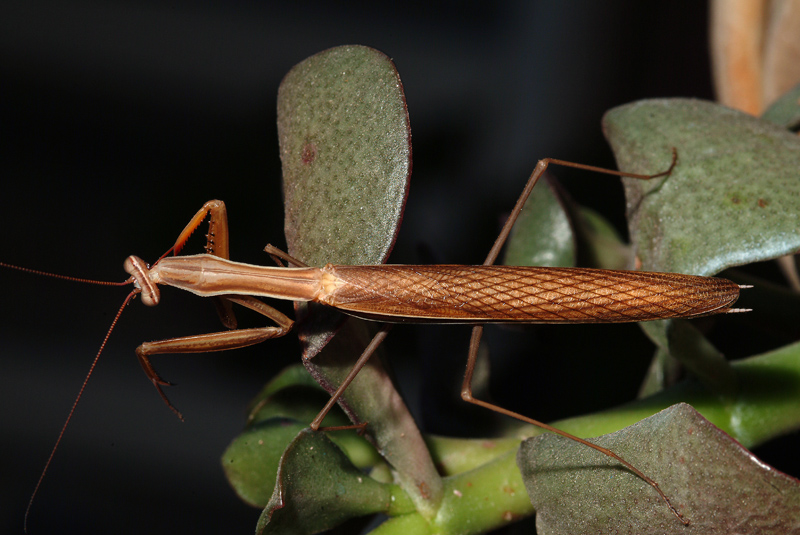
732, 199
600, 242
345, 145
346, 155
552, 230
785, 111
542, 235
318, 488
372, 399
712, 480
294, 394
251, 460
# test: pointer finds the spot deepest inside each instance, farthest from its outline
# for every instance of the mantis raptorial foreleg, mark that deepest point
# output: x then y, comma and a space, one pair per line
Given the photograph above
216, 244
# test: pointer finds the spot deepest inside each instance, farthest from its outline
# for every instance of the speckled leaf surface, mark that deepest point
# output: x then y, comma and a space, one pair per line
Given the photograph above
345, 144
346, 155
733, 198
717, 485
345, 150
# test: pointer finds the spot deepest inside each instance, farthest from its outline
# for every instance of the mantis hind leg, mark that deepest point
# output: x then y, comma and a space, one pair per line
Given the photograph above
376, 341
477, 331
279, 257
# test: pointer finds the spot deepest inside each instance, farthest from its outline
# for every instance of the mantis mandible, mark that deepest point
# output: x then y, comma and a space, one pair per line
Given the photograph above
473, 295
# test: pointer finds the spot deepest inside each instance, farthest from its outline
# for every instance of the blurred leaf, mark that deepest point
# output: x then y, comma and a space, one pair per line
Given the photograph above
293, 378
785, 112
542, 235
664, 370
736, 38
599, 241
553, 230
733, 198
318, 488
294, 394
780, 47
717, 485
685, 343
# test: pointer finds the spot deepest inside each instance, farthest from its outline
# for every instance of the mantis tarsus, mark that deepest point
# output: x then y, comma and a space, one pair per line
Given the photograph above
472, 295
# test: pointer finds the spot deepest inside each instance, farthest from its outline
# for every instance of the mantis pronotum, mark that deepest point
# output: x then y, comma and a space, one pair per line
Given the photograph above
428, 293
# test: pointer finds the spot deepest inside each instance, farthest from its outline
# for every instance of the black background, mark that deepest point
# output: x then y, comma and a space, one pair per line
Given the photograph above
119, 119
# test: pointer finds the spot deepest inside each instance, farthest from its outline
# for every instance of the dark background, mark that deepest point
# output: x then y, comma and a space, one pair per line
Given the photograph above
119, 119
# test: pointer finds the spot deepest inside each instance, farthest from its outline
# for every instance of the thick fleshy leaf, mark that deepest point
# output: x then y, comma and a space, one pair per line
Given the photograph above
600, 242
372, 398
553, 230
318, 488
251, 460
294, 394
345, 144
785, 112
280, 411
346, 156
683, 342
733, 198
716, 484
542, 235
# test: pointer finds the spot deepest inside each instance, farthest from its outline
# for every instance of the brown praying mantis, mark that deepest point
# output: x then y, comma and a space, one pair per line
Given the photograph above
473, 295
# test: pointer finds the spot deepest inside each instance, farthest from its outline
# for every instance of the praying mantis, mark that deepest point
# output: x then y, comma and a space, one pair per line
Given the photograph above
472, 295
